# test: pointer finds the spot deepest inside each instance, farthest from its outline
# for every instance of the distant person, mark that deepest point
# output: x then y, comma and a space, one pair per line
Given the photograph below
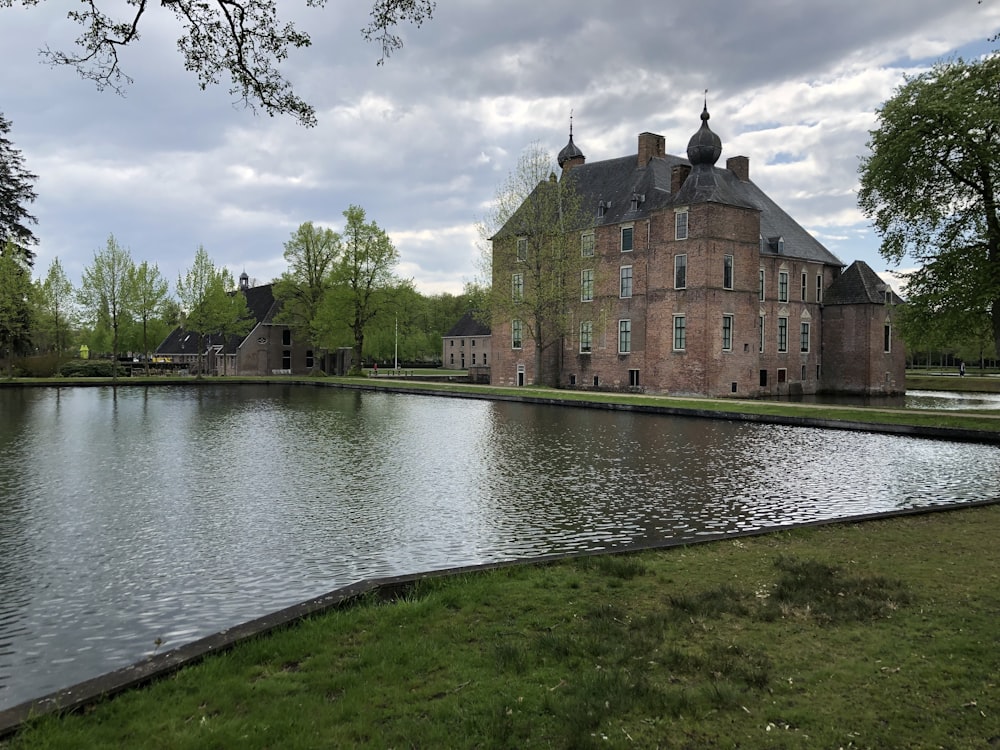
961, 369
375, 367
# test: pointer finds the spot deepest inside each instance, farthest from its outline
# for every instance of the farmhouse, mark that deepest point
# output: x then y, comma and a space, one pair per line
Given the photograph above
271, 348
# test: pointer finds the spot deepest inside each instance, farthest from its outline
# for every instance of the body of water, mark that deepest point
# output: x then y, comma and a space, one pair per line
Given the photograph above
170, 513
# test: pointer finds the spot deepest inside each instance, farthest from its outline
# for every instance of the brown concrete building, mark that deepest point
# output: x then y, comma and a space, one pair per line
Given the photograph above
271, 348
695, 282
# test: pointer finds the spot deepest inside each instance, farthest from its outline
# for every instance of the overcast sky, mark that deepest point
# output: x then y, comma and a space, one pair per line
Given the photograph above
422, 142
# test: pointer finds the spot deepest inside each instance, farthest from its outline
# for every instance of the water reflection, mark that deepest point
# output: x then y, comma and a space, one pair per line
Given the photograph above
173, 512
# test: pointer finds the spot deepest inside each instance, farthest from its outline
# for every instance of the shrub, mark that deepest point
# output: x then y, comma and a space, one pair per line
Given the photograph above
90, 368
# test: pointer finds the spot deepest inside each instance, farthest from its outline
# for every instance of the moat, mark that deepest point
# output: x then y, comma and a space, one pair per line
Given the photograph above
162, 514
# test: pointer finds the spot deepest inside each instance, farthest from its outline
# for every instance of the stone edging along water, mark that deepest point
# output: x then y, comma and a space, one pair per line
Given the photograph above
158, 666
89, 692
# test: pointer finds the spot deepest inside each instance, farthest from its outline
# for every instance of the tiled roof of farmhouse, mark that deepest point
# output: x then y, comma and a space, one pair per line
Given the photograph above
262, 306
468, 326
614, 183
858, 285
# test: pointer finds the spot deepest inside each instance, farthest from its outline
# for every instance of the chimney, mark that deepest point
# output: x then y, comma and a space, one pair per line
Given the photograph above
739, 166
650, 145
678, 174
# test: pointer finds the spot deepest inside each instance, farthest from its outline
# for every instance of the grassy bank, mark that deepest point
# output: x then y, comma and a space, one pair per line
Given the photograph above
985, 420
873, 635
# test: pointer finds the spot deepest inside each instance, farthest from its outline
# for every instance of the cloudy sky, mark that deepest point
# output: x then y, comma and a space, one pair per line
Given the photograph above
422, 142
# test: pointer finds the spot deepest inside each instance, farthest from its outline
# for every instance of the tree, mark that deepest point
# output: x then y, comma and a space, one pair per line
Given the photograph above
55, 299
15, 304
930, 184
193, 290
149, 290
364, 284
535, 259
311, 254
15, 192
242, 39
104, 291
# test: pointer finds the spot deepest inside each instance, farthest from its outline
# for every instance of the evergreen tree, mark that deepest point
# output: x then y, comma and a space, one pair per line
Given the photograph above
16, 192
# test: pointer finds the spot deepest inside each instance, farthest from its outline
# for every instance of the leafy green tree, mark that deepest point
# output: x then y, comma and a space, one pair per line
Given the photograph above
536, 260
16, 192
149, 291
193, 289
364, 284
56, 306
15, 304
311, 254
105, 291
930, 185
241, 39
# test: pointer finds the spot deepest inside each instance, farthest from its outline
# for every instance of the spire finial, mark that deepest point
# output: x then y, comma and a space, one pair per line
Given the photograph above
571, 123
704, 111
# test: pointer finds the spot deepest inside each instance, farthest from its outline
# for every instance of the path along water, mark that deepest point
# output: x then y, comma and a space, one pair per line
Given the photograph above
158, 515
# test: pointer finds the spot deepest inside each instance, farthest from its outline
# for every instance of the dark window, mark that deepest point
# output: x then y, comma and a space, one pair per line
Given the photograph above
286, 360
286, 337
626, 239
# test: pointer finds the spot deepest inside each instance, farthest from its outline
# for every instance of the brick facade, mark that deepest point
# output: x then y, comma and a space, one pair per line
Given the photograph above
719, 293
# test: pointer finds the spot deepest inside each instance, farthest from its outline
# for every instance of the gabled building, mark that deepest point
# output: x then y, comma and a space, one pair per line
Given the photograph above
466, 344
271, 348
694, 281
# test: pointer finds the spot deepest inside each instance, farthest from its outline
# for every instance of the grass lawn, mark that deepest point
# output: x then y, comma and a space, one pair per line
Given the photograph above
874, 635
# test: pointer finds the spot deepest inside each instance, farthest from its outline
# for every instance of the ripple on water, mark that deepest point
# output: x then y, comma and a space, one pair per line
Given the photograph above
137, 522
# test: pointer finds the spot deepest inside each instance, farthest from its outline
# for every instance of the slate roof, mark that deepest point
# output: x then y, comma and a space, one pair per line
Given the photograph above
467, 326
859, 285
614, 182
262, 306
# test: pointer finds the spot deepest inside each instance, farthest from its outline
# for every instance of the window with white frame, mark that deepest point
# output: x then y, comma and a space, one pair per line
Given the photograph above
587, 244
680, 271
680, 333
782, 334
624, 336
760, 284
803, 286
522, 248
782, 286
586, 337
819, 287
727, 271
627, 239
516, 333
727, 333
804, 343
887, 338
587, 285
517, 287
625, 279
760, 346
681, 225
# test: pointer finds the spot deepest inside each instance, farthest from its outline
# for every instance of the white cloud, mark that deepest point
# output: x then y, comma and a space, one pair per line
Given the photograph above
422, 141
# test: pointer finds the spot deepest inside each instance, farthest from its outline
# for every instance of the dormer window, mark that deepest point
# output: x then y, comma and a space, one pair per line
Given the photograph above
602, 208
522, 248
637, 200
